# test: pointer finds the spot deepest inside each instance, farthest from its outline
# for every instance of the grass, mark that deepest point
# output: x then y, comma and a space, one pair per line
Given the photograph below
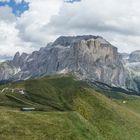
67, 109
37, 125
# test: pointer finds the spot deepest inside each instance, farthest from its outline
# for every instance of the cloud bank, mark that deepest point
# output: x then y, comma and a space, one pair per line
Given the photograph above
116, 20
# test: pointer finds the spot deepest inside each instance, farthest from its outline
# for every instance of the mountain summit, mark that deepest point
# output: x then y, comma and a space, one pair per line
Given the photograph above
88, 57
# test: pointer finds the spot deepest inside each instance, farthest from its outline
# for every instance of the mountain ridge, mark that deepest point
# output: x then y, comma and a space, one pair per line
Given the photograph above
88, 57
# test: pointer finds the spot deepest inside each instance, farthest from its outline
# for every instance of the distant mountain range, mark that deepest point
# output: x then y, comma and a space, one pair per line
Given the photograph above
88, 57
131, 63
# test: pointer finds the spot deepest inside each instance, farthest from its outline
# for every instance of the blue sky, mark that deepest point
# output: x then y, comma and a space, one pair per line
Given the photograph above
17, 8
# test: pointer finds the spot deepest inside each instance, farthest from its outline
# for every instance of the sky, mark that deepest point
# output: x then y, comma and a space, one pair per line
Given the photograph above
27, 25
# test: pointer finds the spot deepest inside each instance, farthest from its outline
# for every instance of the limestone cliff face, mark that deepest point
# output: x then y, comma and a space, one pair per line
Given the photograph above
89, 57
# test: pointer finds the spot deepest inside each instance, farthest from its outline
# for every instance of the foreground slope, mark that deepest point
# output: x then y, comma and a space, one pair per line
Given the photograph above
67, 109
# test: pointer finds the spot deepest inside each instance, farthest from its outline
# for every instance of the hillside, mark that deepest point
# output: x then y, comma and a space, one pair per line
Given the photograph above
67, 109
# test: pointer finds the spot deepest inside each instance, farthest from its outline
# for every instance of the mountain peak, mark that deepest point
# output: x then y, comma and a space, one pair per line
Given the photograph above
135, 56
16, 57
69, 40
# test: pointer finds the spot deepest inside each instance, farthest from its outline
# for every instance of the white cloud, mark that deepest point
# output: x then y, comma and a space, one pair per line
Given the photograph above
24, 34
31, 23
10, 42
116, 20
6, 14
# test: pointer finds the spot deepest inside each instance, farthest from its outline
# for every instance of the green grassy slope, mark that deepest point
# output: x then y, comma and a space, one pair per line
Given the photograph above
67, 109
44, 126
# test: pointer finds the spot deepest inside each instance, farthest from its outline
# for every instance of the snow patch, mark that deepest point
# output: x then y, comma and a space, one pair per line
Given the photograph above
30, 60
64, 71
16, 70
62, 47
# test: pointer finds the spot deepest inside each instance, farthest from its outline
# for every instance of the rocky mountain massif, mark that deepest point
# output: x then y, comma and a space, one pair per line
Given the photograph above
131, 62
88, 57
